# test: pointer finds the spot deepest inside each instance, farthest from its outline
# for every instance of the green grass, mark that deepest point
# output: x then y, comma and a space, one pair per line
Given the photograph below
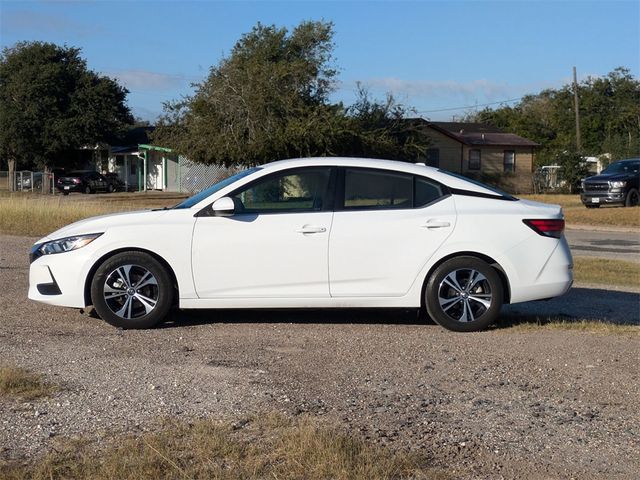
20, 383
606, 272
263, 447
577, 214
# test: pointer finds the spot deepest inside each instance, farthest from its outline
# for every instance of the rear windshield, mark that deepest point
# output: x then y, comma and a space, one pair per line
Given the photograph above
495, 190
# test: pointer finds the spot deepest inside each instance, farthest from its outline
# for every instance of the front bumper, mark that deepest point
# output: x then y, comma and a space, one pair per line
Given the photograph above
602, 198
59, 279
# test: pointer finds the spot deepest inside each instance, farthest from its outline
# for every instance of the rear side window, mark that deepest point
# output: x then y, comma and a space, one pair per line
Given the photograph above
369, 189
366, 189
426, 192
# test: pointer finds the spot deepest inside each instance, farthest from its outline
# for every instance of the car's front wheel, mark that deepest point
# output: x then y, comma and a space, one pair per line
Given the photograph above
132, 290
464, 294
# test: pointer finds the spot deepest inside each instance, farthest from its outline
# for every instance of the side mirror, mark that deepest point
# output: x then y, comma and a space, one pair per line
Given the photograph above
223, 207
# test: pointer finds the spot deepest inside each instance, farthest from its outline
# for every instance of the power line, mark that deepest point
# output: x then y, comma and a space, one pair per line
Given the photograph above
470, 106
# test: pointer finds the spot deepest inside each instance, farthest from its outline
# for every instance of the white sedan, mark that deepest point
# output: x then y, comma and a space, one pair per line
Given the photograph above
313, 233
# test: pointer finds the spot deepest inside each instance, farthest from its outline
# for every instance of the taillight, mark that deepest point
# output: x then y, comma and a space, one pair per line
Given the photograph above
76, 180
547, 227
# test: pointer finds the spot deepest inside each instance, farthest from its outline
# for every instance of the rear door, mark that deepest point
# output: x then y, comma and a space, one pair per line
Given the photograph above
386, 227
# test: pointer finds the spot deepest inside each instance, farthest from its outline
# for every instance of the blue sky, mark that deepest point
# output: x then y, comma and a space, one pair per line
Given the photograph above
433, 55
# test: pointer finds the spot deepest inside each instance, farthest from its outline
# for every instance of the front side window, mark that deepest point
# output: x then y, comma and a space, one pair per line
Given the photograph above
298, 191
474, 159
381, 190
509, 161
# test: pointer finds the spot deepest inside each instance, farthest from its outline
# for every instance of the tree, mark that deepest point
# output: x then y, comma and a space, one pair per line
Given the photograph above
52, 104
609, 113
269, 99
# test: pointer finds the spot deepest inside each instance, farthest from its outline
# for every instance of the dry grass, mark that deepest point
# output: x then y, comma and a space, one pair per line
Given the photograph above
528, 324
576, 213
18, 382
262, 447
606, 272
38, 215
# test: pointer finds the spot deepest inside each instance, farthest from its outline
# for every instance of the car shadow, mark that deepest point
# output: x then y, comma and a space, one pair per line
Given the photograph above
181, 318
577, 305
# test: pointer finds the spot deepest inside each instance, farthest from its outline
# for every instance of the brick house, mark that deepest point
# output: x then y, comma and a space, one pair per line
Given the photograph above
482, 151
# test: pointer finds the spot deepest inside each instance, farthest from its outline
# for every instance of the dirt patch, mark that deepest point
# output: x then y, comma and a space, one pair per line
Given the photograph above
514, 403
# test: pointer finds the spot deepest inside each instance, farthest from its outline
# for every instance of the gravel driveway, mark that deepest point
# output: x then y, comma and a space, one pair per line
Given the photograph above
505, 403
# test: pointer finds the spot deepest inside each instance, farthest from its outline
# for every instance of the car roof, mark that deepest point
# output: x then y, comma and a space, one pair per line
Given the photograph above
437, 174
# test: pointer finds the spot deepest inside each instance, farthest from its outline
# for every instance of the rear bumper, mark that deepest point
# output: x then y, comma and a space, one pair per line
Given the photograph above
553, 280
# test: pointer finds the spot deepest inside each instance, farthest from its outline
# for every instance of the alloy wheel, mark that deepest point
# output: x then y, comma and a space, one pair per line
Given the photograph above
131, 291
465, 295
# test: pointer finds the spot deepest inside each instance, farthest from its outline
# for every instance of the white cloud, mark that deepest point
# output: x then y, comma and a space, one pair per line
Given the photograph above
428, 88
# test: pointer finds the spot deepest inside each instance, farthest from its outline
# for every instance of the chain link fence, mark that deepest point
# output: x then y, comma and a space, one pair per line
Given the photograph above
197, 176
186, 176
26, 180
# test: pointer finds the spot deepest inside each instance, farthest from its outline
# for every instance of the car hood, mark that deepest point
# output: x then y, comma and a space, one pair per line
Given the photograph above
103, 222
609, 177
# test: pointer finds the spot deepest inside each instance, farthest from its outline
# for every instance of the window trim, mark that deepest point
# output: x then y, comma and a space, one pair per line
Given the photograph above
504, 161
479, 159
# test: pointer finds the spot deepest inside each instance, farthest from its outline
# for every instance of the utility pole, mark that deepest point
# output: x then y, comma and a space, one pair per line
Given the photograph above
577, 109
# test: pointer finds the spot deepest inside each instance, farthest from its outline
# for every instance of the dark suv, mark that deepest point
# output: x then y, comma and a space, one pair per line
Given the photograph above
618, 183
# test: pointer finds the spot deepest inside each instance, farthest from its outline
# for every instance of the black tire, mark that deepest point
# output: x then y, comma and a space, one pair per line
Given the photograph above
65, 193
87, 189
118, 300
633, 198
592, 206
471, 307
110, 188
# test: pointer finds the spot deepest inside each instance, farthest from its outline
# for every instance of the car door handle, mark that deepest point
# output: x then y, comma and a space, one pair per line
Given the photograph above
436, 224
311, 229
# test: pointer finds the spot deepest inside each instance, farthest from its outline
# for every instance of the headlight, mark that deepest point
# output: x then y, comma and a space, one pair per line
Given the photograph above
66, 244
617, 184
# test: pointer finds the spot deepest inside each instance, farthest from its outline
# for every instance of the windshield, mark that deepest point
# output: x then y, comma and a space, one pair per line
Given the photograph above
198, 197
480, 184
622, 167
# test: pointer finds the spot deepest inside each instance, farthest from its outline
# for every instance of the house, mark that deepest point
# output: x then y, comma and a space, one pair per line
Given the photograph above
482, 151
142, 166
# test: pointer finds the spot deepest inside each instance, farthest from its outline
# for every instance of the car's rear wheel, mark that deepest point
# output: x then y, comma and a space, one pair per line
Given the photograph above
464, 294
87, 189
110, 188
633, 198
132, 290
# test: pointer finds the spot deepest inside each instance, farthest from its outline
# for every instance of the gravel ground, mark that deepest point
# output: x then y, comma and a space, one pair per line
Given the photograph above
498, 404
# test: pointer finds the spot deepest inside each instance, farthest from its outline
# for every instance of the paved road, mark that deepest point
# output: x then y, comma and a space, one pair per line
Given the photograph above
616, 245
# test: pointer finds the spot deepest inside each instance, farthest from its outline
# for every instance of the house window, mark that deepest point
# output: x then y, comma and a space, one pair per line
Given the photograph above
509, 161
474, 159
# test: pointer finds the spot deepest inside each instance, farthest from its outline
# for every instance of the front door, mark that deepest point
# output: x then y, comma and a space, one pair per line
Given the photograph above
274, 246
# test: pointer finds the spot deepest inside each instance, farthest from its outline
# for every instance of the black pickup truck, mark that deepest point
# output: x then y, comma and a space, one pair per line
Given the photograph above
616, 184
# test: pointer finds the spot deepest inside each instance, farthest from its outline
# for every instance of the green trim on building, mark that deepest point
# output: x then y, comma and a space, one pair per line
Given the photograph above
153, 147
